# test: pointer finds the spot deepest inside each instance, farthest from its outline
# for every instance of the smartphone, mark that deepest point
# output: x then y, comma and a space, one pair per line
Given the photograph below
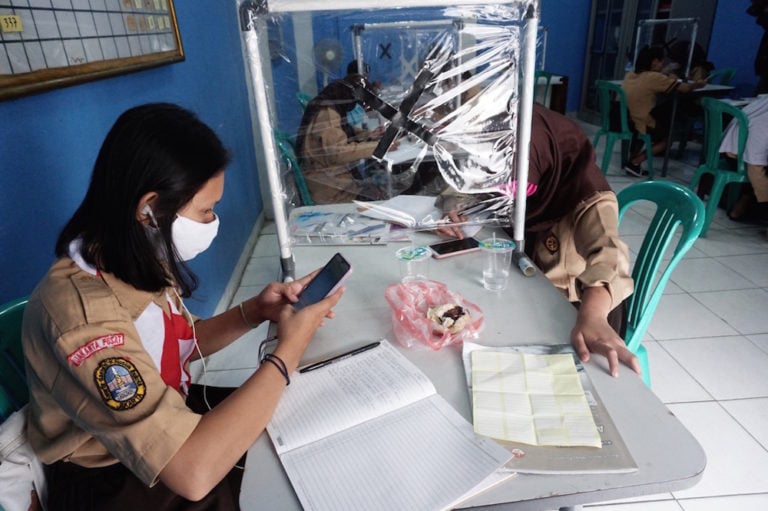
454, 247
328, 280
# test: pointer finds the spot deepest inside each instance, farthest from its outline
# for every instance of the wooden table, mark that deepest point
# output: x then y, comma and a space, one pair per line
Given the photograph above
529, 311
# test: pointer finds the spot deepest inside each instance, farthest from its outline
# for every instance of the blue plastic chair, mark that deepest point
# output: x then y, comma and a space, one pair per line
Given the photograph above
714, 129
303, 99
608, 93
676, 206
722, 76
286, 146
541, 94
13, 381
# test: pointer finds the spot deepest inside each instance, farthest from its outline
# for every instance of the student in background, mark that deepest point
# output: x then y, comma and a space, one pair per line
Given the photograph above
330, 148
108, 340
643, 86
572, 234
752, 206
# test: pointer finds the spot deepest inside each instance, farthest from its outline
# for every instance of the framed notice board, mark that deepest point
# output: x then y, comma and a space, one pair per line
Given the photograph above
46, 44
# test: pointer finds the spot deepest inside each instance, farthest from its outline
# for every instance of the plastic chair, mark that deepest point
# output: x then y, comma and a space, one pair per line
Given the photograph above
542, 98
722, 76
714, 128
304, 99
676, 206
286, 146
612, 94
13, 382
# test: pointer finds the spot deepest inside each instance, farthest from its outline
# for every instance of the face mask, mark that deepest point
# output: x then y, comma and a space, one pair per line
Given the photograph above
190, 237
355, 116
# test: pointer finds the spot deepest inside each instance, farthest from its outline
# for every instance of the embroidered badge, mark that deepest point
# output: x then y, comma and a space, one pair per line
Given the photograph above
79, 356
119, 383
552, 243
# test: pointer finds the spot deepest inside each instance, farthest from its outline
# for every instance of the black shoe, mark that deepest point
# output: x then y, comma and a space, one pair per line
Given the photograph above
634, 170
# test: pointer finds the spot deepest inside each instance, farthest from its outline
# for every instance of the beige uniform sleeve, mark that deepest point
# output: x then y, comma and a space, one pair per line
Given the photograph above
596, 239
100, 387
328, 143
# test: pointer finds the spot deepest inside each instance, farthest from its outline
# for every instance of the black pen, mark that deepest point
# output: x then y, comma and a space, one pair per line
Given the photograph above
337, 358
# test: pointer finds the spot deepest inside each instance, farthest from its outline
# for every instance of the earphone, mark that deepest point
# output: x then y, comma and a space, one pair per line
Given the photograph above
146, 210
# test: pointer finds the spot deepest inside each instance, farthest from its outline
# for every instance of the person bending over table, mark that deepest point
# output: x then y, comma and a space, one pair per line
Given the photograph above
107, 339
572, 234
642, 87
753, 207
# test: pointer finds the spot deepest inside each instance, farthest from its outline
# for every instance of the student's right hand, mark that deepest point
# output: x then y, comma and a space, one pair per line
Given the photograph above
295, 329
448, 229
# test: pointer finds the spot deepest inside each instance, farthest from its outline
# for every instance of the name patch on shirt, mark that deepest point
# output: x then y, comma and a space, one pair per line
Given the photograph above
119, 383
79, 356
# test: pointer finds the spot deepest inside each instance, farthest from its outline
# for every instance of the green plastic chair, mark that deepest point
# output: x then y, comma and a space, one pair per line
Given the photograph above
286, 146
13, 382
714, 128
542, 98
304, 99
722, 76
608, 93
676, 206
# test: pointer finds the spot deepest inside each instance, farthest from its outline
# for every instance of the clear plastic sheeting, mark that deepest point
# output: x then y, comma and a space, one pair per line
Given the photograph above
677, 37
369, 104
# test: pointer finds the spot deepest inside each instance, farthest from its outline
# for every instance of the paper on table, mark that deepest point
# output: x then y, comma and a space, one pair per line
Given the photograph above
613, 457
533, 399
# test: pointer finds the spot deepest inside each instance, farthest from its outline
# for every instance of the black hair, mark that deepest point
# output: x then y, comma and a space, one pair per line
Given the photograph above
646, 56
353, 69
158, 147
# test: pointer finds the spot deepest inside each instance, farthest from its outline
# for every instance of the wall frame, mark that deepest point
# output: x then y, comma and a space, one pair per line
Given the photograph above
57, 43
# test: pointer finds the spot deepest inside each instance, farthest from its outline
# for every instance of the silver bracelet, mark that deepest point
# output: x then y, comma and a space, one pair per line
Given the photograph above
245, 318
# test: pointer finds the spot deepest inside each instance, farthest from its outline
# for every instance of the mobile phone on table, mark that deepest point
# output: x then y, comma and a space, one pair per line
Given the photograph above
454, 247
328, 280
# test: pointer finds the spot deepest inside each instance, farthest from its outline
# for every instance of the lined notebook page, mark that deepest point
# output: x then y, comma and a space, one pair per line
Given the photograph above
424, 456
532, 399
342, 394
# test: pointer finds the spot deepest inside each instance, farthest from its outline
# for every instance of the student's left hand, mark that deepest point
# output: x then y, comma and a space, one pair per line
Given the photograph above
272, 298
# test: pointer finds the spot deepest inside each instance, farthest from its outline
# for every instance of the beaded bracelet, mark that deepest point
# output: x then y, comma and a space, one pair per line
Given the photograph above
245, 318
278, 362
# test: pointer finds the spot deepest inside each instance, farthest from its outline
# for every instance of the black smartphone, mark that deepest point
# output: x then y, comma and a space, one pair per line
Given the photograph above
454, 247
328, 280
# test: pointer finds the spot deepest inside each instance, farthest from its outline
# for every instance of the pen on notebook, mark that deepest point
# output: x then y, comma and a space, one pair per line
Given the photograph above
338, 358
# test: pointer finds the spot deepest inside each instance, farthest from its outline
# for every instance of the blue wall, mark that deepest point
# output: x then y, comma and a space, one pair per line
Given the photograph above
735, 39
49, 141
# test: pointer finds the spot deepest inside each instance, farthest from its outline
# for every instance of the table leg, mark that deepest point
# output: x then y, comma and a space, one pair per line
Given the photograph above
669, 135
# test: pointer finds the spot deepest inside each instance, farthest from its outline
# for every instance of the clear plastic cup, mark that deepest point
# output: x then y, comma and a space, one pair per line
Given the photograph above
497, 262
414, 262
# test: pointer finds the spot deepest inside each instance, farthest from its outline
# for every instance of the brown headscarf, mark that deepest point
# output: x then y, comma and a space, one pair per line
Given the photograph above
562, 166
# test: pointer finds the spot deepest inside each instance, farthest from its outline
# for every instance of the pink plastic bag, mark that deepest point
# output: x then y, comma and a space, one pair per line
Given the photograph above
410, 302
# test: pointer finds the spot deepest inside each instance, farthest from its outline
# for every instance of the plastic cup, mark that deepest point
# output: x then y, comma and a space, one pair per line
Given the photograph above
414, 263
497, 262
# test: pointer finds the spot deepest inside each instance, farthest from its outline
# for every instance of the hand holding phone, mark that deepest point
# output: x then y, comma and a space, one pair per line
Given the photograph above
454, 247
327, 280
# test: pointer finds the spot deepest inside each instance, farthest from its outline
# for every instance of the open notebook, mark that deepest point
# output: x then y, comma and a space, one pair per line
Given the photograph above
370, 432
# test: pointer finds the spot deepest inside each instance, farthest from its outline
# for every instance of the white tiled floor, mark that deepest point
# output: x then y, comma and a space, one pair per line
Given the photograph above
708, 348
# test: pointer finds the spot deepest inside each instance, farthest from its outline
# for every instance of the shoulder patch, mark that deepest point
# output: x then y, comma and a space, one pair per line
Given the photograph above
79, 356
119, 383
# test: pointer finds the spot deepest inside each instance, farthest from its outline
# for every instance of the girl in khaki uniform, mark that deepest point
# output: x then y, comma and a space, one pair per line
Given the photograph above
108, 341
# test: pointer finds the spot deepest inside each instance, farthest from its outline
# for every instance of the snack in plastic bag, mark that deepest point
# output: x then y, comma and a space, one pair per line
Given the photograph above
426, 312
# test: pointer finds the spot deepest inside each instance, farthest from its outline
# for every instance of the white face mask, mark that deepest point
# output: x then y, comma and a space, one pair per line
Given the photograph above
191, 237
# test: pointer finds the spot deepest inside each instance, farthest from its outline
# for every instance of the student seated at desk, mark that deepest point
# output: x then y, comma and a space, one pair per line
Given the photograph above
753, 205
642, 87
572, 234
108, 340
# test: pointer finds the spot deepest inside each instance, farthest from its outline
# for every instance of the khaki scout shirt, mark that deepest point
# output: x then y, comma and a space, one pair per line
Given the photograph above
584, 250
328, 158
96, 396
641, 89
